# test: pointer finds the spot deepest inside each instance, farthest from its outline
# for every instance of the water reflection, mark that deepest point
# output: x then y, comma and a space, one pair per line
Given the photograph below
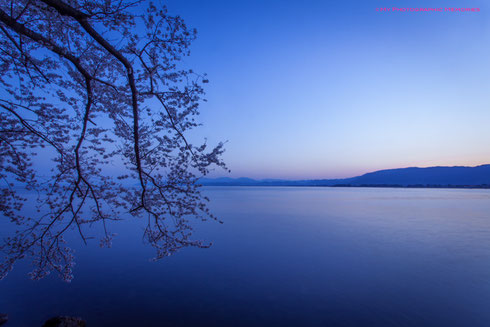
287, 257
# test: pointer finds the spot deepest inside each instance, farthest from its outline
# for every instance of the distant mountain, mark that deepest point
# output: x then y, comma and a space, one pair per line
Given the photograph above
478, 176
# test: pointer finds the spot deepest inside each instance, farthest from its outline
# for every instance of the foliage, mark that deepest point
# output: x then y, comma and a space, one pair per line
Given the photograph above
95, 85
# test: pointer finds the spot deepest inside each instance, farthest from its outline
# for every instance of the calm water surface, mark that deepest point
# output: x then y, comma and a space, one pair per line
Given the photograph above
286, 257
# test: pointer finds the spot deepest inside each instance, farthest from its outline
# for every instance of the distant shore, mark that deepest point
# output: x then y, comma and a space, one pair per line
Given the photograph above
360, 186
412, 177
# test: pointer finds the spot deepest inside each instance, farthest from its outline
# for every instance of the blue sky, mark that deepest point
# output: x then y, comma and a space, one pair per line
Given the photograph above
326, 89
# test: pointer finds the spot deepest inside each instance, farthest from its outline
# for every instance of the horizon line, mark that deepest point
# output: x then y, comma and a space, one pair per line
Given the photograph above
278, 179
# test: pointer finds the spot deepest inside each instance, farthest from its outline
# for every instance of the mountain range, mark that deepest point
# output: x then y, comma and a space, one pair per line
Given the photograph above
458, 176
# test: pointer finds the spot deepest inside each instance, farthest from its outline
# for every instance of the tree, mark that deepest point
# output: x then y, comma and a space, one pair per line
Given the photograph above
95, 84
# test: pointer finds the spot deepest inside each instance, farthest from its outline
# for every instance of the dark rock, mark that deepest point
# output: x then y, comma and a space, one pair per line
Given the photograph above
3, 318
65, 322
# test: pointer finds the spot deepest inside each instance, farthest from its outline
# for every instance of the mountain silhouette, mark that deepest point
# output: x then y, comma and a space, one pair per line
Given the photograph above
458, 176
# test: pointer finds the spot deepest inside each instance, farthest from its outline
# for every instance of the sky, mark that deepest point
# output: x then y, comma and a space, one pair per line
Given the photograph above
332, 89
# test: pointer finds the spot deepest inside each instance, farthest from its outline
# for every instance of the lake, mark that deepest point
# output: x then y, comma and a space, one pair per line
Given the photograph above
291, 256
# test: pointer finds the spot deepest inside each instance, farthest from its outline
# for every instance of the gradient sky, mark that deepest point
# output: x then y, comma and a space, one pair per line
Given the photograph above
326, 89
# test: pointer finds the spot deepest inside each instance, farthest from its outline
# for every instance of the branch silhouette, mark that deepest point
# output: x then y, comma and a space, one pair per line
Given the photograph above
94, 85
